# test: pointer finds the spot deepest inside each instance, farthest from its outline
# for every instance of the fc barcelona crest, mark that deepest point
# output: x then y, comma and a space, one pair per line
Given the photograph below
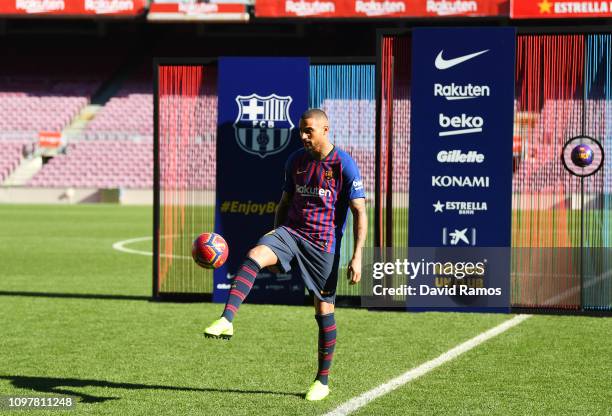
329, 175
263, 126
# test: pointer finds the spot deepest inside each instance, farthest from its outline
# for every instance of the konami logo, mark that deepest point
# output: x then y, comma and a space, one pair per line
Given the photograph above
379, 8
460, 181
109, 6
40, 6
309, 8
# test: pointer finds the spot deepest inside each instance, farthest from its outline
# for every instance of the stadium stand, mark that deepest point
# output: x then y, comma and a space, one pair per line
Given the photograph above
352, 129
31, 101
128, 114
401, 143
116, 150
11, 153
540, 169
34, 101
100, 164
26, 114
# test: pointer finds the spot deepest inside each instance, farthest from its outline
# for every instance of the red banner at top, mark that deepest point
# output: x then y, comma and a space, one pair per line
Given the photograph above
72, 7
379, 8
545, 9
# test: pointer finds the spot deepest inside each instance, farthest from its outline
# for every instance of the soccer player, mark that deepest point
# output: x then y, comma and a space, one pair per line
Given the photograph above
321, 183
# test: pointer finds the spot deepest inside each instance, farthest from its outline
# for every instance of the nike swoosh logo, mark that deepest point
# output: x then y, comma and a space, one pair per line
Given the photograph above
299, 172
442, 63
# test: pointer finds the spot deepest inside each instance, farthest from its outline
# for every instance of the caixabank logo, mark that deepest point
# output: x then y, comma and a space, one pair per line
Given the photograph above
263, 125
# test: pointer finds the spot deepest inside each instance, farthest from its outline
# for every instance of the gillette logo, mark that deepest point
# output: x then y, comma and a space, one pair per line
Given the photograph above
311, 191
454, 92
457, 156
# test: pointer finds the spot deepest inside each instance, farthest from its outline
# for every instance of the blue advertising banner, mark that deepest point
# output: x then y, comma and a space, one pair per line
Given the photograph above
260, 101
461, 154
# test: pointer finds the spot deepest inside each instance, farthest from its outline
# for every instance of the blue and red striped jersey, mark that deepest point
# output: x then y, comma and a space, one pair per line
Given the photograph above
322, 190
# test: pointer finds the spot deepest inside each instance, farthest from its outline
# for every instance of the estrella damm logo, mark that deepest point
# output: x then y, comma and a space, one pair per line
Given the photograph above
263, 125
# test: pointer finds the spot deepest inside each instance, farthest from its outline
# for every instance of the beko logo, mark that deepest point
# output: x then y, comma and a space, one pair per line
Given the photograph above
461, 92
463, 124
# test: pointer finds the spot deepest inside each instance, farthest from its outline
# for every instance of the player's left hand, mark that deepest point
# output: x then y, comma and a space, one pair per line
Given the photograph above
353, 273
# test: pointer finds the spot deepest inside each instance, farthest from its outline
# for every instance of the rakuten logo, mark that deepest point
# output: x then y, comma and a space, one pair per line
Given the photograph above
456, 156
109, 6
197, 8
460, 181
461, 92
304, 8
379, 8
40, 6
311, 191
462, 124
449, 8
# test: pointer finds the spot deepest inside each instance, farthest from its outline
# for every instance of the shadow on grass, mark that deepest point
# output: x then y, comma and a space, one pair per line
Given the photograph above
72, 295
57, 385
166, 297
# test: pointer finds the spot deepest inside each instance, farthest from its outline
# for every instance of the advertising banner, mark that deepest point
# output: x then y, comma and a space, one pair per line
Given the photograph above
50, 139
378, 8
260, 104
546, 9
73, 7
197, 11
461, 155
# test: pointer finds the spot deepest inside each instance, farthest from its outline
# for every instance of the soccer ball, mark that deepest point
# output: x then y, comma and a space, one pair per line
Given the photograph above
209, 250
582, 155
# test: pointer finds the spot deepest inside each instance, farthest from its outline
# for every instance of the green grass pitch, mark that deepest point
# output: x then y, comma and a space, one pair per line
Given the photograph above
75, 320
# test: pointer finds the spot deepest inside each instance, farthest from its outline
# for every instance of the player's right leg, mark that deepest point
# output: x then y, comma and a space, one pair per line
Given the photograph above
277, 248
257, 258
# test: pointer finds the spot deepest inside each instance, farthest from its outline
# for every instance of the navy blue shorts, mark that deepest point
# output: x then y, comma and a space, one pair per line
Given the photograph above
318, 269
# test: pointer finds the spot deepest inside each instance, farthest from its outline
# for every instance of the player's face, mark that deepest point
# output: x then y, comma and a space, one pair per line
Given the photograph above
313, 132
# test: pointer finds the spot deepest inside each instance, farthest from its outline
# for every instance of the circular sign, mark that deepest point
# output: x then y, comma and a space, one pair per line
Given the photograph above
582, 156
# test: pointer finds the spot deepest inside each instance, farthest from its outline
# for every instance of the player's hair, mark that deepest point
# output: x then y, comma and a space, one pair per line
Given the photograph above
314, 113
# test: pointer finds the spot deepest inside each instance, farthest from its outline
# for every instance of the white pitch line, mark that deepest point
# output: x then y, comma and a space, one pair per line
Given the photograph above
120, 246
365, 398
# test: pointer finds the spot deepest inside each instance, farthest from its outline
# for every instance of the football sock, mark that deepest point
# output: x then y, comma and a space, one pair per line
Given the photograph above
241, 286
327, 343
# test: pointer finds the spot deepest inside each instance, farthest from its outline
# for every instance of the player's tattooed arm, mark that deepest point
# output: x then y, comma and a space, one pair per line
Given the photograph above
360, 230
280, 216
